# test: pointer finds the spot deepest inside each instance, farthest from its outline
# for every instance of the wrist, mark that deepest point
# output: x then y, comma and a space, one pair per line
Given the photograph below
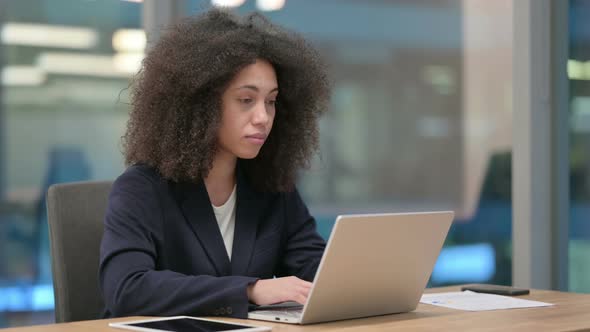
250, 291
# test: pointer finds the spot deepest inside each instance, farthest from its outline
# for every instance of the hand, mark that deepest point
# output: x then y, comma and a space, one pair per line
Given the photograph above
270, 291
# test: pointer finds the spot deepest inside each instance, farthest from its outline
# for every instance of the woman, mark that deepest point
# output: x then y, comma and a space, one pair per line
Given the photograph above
206, 219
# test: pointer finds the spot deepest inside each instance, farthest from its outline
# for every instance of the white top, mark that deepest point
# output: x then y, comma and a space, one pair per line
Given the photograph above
226, 219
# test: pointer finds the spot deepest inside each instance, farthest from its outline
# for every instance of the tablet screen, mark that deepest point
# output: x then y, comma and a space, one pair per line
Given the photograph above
188, 324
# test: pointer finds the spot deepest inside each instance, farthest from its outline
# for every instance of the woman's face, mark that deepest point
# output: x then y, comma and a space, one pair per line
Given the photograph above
248, 110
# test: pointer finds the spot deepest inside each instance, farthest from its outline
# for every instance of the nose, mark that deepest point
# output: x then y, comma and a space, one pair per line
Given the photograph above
260, 116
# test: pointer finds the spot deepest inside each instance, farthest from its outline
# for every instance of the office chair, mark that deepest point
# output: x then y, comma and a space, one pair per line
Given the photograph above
66, 164
75, 214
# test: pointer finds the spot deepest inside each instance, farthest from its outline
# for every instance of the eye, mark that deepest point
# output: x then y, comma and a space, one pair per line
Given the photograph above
271, 102
245, 101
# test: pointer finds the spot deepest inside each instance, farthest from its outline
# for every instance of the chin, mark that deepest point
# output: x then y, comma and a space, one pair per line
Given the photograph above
248, 154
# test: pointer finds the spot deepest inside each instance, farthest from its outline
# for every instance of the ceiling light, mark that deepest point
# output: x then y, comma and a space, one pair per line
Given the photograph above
80, 64
48, 36
575, 69
129, 40
270, 5
22, 76
227, 3
128, 62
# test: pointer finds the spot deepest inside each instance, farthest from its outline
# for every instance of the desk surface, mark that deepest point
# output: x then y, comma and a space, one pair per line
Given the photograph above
570, 312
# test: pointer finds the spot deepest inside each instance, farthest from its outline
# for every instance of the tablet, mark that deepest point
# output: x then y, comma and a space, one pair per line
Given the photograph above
186, 324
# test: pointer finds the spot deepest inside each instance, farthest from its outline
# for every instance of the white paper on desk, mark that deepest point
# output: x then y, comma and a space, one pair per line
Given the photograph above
472, 301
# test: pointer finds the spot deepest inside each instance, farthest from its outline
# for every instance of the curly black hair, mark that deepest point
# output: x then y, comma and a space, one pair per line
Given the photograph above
176, 98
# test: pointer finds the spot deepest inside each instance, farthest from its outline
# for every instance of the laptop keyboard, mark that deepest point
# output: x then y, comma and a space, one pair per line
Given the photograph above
285, 312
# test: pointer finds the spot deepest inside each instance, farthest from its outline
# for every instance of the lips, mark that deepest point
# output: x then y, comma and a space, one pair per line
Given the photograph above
257, 139
257, 136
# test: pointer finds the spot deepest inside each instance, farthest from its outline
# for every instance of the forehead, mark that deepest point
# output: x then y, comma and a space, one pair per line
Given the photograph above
261, 73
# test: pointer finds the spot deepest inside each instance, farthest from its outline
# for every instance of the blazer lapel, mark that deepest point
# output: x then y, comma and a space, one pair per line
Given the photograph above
249, 208
198, 211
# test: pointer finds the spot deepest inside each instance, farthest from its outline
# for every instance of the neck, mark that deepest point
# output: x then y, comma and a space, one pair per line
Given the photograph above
221, 179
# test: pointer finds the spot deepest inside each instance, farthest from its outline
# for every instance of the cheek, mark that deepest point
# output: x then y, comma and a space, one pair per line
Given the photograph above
227, 130
230, 118
272, 116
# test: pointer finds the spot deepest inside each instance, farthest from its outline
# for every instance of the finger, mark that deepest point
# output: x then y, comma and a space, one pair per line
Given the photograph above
300, 298
305, 291
304, 283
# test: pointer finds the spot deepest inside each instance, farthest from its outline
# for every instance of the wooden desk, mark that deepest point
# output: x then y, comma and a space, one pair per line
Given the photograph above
570, 312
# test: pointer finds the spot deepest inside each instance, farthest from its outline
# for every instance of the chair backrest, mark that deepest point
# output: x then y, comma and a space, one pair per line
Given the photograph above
75, 213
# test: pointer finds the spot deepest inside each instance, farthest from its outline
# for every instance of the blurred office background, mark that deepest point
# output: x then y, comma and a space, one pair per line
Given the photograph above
421, 119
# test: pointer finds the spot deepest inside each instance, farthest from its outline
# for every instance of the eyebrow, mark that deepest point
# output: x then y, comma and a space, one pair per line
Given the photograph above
255, 88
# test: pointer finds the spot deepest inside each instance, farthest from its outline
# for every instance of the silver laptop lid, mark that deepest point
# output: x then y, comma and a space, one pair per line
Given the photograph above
376, 264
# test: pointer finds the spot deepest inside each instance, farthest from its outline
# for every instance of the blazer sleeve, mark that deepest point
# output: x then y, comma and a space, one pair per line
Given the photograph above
304, 247
130, 283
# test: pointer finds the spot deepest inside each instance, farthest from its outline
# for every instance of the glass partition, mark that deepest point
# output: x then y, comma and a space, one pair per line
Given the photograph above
420, 119
579, 74
63, 106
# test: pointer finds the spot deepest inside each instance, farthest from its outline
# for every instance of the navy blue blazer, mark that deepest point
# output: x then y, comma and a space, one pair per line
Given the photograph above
162, 252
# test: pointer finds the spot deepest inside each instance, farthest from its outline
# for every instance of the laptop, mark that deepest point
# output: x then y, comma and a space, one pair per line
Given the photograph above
373, 264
